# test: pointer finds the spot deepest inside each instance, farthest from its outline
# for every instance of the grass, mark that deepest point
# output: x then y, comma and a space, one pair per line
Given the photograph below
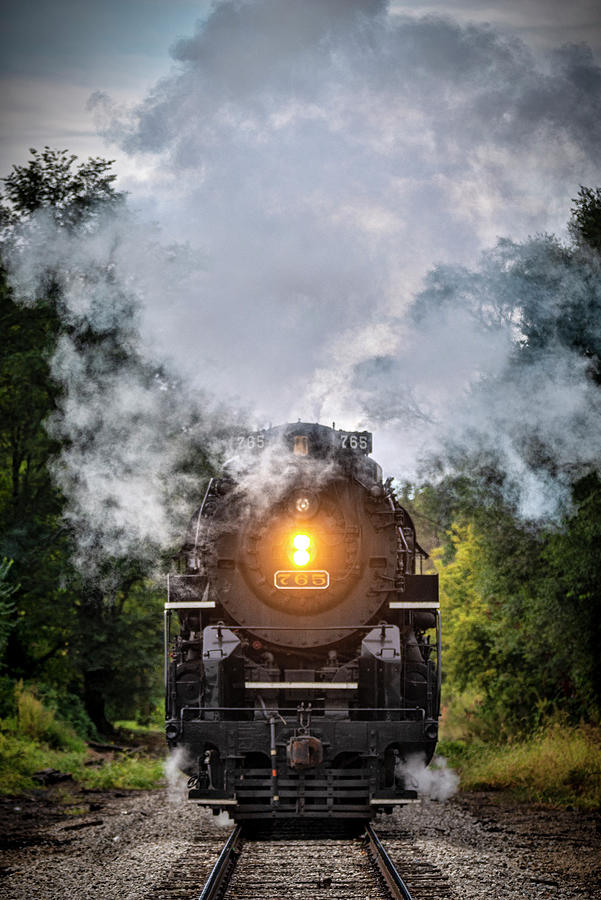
130, 773
21, 757
36, 739
559, 765
129, 725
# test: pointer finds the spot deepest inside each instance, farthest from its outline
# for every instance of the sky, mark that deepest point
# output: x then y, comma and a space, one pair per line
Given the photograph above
55, 53
303, 174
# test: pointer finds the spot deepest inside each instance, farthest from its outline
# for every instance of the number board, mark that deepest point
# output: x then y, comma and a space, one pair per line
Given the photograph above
355, 440
313, 580
243, 442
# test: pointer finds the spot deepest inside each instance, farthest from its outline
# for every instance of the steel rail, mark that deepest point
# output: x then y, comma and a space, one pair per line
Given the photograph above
385, 865
222, 868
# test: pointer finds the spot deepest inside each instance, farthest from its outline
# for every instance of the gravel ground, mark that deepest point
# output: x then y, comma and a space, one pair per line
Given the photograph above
122, 846
119, 849
489, 846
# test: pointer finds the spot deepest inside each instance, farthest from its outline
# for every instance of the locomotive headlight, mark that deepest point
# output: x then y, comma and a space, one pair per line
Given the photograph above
301, 544
303, 504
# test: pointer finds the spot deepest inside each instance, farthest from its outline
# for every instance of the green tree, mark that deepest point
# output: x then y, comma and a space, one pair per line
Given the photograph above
72, 194
92, 628
57, 616
31, 529
7, 607
585, 224
523, 599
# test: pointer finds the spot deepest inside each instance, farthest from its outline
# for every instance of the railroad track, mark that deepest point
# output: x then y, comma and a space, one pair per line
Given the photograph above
312, 864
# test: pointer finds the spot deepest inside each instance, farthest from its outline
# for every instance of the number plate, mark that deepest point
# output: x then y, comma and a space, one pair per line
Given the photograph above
355, 440
313, 580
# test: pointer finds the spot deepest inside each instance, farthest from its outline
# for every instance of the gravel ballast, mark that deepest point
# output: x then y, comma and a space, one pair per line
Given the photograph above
123, 846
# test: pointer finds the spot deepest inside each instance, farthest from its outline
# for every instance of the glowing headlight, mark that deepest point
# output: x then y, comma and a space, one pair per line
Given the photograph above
301, 544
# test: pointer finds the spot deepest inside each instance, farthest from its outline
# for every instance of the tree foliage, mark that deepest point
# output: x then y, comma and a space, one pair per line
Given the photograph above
585, 224
71, 194
67, 634
7, 607
521, 599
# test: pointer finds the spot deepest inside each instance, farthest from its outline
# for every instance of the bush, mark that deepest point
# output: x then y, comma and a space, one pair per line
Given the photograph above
68, 707
8, 704
559, 765
39, 723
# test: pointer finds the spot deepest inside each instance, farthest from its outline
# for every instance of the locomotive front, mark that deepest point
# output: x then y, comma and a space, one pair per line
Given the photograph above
305, 666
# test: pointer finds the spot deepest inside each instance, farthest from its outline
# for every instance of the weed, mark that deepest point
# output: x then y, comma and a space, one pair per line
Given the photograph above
131, 772
35, 739
559, 765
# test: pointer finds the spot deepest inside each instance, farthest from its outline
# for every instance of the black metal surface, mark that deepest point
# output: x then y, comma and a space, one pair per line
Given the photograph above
222, 869
386, 866
246, 660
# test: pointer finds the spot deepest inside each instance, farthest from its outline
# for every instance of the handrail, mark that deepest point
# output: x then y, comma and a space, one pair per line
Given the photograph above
326, 709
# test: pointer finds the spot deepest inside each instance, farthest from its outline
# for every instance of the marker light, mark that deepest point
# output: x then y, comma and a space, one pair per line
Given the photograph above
301, 544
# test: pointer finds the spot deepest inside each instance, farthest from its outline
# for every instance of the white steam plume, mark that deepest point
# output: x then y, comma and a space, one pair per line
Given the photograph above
433, 782
135, 437
264, 479
321, 158
310, 163
177, 781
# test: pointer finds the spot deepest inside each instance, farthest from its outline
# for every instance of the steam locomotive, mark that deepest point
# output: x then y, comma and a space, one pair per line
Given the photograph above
302, 646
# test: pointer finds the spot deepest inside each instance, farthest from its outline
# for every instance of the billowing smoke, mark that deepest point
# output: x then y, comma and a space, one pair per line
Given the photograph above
136, 439
493, 369
177, 782
223, 820
435, 782
305, 166
263, 479
320, 158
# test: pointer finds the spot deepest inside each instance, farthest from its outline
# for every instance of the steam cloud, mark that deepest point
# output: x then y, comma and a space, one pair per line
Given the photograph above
134, 435
177, 782
265, 479
323, 157
307, 166
436, 782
